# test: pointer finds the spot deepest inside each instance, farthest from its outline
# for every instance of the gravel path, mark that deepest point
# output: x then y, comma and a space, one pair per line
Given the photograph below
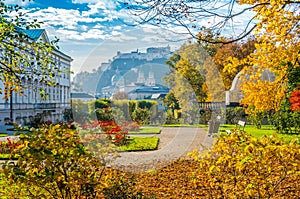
175, 143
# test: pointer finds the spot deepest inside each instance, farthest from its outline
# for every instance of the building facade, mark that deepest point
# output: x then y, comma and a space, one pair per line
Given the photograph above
22, 109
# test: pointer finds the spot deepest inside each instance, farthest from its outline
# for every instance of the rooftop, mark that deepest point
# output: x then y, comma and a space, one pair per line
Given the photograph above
81, 95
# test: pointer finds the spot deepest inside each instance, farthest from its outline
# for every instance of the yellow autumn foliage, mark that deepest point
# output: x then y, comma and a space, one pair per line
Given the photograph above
277, 50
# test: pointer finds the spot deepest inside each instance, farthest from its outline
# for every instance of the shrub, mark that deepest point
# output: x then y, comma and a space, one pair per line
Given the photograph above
170, 118
119, 115
8, 146
120, 186
205, 116
295, 100
146, 104
124, 107
104, 114
233, 115
100, 103
114, 132
141, 116
56, 161
80, 111
286, 121
241, 166
256, 118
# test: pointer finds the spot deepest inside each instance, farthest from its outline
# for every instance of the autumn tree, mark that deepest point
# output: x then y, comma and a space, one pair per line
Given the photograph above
23, 58
273, 23
277, 51
171, 102
201, 19
239, 50
186, 76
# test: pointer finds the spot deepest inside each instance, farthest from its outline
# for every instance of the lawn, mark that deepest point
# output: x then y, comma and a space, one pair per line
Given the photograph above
141, 144
147, 130
266, 130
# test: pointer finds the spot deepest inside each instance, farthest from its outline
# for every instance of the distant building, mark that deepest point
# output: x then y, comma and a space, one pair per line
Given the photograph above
142, 88
148, 92
152, 53
24, 108
131, 66
82, 97
158, 98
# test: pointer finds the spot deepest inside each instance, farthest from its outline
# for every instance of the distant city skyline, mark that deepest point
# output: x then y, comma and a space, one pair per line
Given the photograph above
92, 31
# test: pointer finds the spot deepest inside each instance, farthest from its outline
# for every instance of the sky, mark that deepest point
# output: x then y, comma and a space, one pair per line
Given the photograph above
92, 31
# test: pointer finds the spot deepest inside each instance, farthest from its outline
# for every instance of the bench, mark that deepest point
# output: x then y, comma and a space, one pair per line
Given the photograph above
240, 126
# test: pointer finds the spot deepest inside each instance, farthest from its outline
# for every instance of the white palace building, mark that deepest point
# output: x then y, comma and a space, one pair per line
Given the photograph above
23, 109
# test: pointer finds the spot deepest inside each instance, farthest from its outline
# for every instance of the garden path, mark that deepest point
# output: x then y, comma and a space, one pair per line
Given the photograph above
175, 143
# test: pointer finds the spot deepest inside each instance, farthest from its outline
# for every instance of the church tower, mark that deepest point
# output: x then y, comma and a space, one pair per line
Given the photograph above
151, 79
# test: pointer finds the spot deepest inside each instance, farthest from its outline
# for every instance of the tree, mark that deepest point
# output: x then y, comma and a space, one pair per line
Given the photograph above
187, 65
22, 57
200, 19
277, 51
171, 101
239, 50
274, 24
120, 95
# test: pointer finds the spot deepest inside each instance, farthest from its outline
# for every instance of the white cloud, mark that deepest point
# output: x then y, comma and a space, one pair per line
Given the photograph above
117, 27
115, 33
84, 1
104, 6
98, 26
84, 28
123, 38
94, 34
56, 16
69, 34
18, 2
69, 25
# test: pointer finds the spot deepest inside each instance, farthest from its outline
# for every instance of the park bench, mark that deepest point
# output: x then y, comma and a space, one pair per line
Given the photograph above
239, 126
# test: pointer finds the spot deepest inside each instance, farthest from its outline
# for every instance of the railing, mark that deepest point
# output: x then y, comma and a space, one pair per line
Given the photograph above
212, 105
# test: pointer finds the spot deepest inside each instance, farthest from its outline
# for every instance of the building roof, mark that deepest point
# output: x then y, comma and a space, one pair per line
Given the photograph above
81, 95
158, 95
34, 34
151, 89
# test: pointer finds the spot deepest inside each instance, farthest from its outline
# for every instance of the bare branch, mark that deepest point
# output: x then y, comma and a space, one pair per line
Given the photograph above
189, 13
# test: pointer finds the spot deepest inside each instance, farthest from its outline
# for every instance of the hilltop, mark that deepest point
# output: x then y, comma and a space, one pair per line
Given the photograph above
131, 68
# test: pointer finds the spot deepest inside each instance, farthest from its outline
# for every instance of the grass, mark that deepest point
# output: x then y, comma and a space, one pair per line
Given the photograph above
3, 134
266, 130
146, 131
141, 144
185, 125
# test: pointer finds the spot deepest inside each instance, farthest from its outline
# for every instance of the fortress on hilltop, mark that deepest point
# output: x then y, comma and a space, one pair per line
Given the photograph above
126, 72
151, 54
